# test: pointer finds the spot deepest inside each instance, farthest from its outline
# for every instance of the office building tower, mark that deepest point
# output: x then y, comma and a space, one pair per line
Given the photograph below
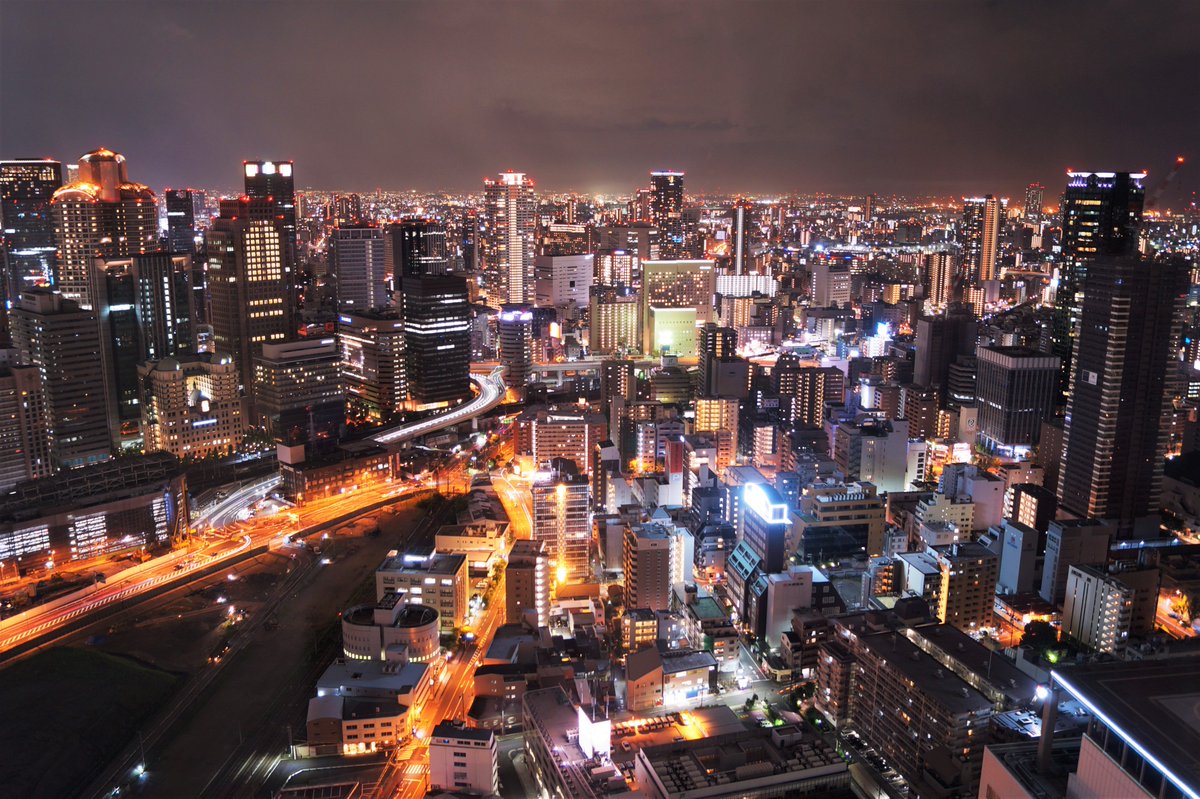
181, 220
192, 406
416, 247
939, 271
718, 416
1014, 391
515, 334
647, 567
300, 398
767, 524
940, 341
1032, 505
666, 211
143, 304
562, 522
24, 426
839, 520
102, 214
675, 285
742, 211
969, 573
1034, 194
613, 267
714, 344
1101, 216
614, 325
830, 284
982, 221
437, 338
273, 180
527, 582
640, 239
249, 284
61, 339
27, 187
563, 279
357, 256
1117, 427
511, 219
346, 209
374, 362
463, 760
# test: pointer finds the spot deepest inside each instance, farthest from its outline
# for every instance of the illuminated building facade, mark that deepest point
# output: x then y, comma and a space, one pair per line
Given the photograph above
357, 254
666, 211
273, 180
374, 363
300, 397
676, 285
718, 416
192, 405
24, 427
511, 219
181, 220
613, 321
416, 247
527, 582
27, 187
437, 338
515, 334
1014, 390
562, 523
101, 213
982, 221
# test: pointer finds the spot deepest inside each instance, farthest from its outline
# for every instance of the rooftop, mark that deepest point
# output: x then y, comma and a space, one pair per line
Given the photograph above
926, 675
434, 564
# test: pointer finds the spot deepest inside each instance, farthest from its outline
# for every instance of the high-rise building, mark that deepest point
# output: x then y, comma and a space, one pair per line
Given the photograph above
1071, 542
767, 524
1097, 609
982, 221
614, 267
675, 285
249, 284
562, 522
718, 416
181, 220
61, 339
568, 433
617, 379
647, 567
514, 331
830, 283
938, 273
100, 214
24, 427
273, 180
970, 572
416, 247
940, 341
742, 209
563, 279
1101, 215
804, 391
527, 581
300, 397
613, 320
873, 450
666, 211
511, 211
374, 365
437, 338
1014, 390
191, 405
26, 188
1034, 194
144, 305
714, 344
1117, 423
358, 257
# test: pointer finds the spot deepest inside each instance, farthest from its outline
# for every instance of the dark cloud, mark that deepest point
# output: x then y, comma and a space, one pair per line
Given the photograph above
945, 97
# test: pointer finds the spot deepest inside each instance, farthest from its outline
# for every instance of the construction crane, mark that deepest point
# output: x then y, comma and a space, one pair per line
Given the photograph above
1167, 181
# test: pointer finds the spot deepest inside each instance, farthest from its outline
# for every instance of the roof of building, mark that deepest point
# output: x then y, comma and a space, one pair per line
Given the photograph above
438, 563
1151, 705
927, 675
451, 729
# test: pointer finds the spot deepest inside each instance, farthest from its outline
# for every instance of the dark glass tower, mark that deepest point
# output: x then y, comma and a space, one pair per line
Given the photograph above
666, 211
437, 338
181, 220
26, 188
1101, 215
417, 247
1117, 423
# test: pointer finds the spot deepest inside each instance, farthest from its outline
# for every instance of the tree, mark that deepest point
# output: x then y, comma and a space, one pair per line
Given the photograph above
1039, 635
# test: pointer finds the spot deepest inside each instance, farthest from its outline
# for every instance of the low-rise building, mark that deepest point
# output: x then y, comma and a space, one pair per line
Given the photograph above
433, 579
392, 629
667, 679
482, 542
463, 760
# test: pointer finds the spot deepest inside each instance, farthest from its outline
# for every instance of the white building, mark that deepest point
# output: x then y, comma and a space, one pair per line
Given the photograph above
439, 581
1097, 610
563, 279
464, 760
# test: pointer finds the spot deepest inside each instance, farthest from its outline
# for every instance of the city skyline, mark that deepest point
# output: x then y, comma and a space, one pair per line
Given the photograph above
743, 102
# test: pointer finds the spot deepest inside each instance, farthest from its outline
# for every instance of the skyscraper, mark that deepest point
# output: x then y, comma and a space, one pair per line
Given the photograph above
511, 211
437, 338
666, 211
675, 285
358, 257
100, 214
940, 341
1015, 392
181, 220
982, 219
1034, 194
26, 188
714, 344
274, 180
61, 339
1117, 421
1101, 215
24, 427
562, 523
515, 334
741, 234
374, 365
417, 247
300, 397
249, 283
938, 273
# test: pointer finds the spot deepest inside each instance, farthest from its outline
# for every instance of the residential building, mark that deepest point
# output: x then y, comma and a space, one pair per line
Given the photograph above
969, 573
527, 582
562, 523
510, 210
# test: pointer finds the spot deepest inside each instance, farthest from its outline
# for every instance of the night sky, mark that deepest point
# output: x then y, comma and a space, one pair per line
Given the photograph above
914, 97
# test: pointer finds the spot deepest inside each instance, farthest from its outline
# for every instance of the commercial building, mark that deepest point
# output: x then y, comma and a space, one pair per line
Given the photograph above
675, 285
563, 279
374, 363
565, 742
61, 339
391, 629
100, 214
416, 247
514, 331
463, 760
873, 450
24, 427
655, 679
300, 397
614, 321
527, 582
27, 187
358, 257
1116, 431
1014, 390
439, 581
839, 520
437, 334
180, 206
1071, 542
191, 406
510, 210
831, 284
666, 212
570, 433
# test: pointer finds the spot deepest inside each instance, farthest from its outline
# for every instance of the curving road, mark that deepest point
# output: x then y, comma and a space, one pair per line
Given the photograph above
491, 393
